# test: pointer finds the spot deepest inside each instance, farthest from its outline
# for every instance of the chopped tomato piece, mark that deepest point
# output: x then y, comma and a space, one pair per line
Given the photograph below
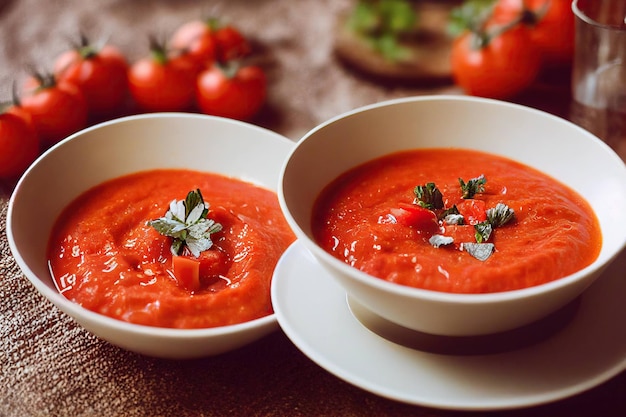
187, 272
474, 211
415, 216
213, 263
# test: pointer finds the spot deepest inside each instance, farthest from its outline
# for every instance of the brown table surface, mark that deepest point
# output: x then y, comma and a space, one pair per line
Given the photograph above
50, 366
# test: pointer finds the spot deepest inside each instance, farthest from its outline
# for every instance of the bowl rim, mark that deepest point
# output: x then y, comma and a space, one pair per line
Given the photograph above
432, 295
82, 314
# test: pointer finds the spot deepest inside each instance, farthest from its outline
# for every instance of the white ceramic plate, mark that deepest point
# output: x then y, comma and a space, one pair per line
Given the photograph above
588, 349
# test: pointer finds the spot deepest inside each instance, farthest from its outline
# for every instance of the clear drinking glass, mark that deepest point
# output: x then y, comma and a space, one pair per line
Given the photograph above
599, 73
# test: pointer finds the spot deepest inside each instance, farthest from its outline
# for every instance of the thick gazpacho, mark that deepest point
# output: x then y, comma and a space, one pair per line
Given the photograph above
456, 220
171, 248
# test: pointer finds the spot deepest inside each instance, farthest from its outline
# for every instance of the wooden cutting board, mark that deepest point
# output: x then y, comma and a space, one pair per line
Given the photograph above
430, 47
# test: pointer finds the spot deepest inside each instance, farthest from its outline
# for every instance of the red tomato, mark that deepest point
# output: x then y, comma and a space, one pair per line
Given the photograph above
415, 216
195, 39
161, 83
19, 144
553, 30
231, 44
22, 113
58, 109
233, 92
504, 67
99, 73
473, 211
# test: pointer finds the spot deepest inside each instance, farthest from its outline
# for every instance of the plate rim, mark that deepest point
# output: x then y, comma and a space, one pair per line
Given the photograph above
298, 256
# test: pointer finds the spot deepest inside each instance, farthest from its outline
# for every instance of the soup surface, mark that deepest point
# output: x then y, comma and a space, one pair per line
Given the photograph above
361, 218
105, 257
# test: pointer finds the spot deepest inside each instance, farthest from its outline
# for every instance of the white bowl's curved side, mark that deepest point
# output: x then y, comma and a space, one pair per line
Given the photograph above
121, 147
530, 136
168, 343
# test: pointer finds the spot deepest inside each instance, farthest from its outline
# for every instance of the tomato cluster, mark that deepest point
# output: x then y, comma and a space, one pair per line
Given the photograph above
505, 44
199, 68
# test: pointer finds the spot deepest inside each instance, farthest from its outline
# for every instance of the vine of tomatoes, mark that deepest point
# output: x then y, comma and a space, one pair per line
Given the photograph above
202, 67
98, 71
502, 46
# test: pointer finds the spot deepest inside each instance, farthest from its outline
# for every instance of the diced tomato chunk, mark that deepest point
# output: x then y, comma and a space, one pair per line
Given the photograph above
474, 211
415, 216
213, 263
186, 272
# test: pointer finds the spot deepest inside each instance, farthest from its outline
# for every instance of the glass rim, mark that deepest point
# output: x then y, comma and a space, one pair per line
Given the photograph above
582, 16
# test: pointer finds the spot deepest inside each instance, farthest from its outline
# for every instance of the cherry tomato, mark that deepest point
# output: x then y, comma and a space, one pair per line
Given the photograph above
99, 73
415, 216
57, 108
22, 113
231, 44
195, 39
19, 144
552, 26
506, 65
233, 92
162, 83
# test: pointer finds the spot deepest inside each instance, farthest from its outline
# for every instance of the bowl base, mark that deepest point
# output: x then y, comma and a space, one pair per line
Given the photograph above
464, 345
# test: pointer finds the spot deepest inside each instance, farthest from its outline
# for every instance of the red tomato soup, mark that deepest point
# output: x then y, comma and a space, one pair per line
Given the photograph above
105, 257
370, 218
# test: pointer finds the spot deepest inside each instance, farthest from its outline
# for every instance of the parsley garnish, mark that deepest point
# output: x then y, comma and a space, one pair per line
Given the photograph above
428, 196
500, 215
187, 223
473, 186
483, 231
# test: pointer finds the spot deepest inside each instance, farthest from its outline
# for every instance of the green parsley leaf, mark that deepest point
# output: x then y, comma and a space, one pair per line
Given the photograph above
473, 186
428, 196
500, 215
451, 216
483, 231
187, 224
457, 219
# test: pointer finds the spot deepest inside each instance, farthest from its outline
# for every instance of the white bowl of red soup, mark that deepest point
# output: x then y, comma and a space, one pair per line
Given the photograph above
454, 215
158, 233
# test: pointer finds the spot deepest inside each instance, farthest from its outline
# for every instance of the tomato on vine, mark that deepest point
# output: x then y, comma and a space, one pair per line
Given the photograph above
19, 143
497, 67
57, 108
207, 41
231, 91
492, 58
195, 39
161, 82
551, 22
100, 73
231, 44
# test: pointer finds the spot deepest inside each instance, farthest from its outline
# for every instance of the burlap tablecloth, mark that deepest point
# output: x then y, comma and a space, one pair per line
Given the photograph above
51, 367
